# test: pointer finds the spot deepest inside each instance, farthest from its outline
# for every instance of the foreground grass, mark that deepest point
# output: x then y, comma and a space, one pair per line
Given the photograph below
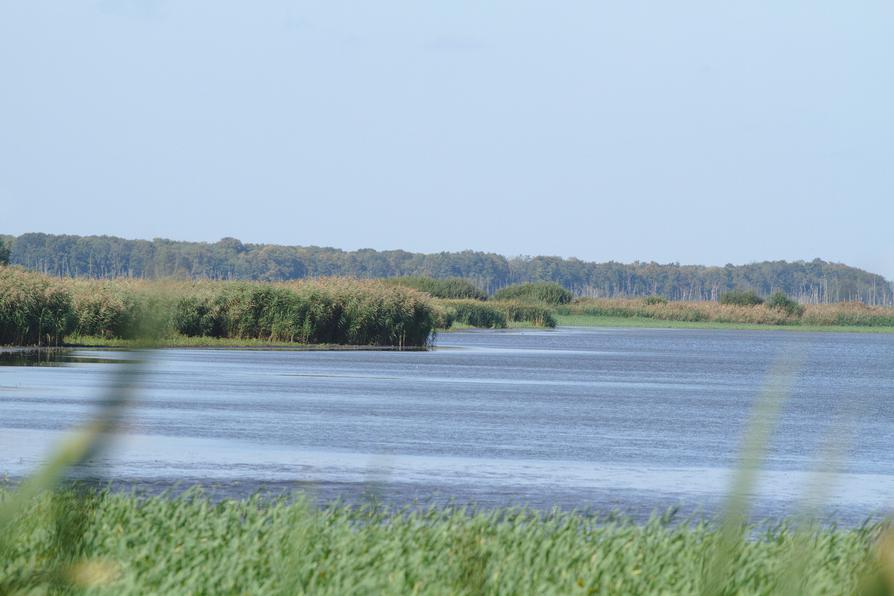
642, 322
190, 545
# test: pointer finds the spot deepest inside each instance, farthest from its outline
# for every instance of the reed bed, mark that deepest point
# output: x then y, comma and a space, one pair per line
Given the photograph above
34, 309
515, 311
120, 544
841, 314
450, 288
474, 313
493, 314
40, 310
543, 292
848, 314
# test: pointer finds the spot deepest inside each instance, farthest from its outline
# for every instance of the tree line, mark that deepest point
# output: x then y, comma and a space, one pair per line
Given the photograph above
101, 257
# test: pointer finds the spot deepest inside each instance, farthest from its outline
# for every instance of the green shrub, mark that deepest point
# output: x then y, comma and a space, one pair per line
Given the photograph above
197, 316
445, 315
741, 298
654, 300
518, 312
779, 301
546, 292
477, 314
450, 288
249, 311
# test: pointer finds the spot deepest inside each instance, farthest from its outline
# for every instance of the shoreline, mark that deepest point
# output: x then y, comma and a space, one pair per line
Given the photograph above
649, 323
211, 345
572, 321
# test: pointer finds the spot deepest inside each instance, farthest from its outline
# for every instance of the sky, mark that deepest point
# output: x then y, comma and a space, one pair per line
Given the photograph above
693, 132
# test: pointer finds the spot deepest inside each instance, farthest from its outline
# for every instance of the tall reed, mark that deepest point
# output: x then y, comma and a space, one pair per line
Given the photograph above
34, 309
476, 314
843, 314
545, 292
37, 310
451, 287
515, 311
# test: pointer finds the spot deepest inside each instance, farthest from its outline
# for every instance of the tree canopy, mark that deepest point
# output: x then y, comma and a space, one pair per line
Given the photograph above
814, 281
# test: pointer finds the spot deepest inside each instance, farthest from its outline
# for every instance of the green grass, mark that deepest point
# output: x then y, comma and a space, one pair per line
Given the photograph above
125, 545
643, 322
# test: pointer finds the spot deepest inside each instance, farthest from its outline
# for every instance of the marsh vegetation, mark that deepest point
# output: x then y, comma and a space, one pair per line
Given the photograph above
36, 309
544, 292
120, 544
39, 310
72, 540
780, 310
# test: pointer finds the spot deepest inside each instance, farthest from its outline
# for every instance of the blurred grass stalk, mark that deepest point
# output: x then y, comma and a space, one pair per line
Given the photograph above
764, 420
77, 451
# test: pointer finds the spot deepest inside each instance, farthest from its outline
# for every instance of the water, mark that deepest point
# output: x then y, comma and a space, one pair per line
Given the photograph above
627, 419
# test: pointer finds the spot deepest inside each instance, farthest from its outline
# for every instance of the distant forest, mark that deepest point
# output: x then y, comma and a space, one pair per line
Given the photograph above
815, 281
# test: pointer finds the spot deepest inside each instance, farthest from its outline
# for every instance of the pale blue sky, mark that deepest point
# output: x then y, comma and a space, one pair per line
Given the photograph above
699, 132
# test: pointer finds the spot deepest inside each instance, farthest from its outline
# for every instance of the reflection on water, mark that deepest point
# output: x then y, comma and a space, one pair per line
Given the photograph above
633, 419
51, 357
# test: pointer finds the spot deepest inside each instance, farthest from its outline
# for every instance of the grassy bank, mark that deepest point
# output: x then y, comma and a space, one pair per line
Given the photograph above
656, 312
548, 305
649, 323
117, 544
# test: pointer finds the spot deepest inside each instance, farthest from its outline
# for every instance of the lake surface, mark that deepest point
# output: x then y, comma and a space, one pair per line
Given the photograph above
626, 419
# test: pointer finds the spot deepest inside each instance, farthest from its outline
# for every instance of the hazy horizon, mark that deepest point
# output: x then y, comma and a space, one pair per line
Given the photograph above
692, 133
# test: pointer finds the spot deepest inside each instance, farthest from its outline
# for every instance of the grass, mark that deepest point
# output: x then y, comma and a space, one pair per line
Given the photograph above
129, 545
782, 313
